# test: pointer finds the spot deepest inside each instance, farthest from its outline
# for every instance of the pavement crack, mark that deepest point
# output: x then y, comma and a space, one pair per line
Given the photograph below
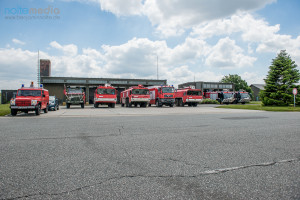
208, 172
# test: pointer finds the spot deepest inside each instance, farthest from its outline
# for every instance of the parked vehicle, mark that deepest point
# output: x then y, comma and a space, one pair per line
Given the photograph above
188, 96
30, 99
105, 95
242, 97
211, 95
74, 96
226, 97
53, 103
137, 95
162, 95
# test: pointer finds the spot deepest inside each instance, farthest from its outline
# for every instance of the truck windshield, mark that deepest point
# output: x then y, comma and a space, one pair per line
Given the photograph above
228, 95
51, 98
140, 91
74, 91
193, 93
105, 91
244, 95
167, 90
26, 93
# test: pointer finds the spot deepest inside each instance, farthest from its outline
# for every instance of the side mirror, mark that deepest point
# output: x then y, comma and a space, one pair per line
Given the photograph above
44, 95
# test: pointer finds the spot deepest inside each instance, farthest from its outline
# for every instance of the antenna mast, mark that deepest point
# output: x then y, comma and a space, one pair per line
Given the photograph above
157, 65
38, 69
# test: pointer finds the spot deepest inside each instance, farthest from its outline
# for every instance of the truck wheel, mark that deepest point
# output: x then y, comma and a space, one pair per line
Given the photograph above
13, 112
96, 105
82, 105
181, 104
68, 105
189, 104
135, 105
149, 105
38, 110
195, 104
171, 105
243, 102
46, 109
57, 107
122, 105
113, 105
130, 105
26, 111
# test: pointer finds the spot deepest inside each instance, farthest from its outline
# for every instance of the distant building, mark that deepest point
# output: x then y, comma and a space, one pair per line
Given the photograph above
256, 88
209, 86
45, 67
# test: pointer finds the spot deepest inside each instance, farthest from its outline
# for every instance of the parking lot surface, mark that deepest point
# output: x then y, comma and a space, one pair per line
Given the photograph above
150, 153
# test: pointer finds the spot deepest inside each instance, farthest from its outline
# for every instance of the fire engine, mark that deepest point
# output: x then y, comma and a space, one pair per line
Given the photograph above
188, 96
30, 99
211, 95
162, 95
137, 95
74, 96
105, 95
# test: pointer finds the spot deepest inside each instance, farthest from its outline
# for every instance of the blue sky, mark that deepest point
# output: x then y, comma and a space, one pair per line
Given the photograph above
204, 39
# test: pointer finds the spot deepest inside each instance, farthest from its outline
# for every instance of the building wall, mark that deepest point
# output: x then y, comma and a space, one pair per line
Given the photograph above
209, 86
55, 85
45, 67
6, 95
255, 93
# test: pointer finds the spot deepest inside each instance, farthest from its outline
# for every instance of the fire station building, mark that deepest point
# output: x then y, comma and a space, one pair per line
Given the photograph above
55, 85
209, 86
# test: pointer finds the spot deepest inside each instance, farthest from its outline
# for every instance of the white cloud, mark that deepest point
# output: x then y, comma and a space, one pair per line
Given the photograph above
173, 17
226, 54
70, 49
122, 7
16, 41
253, 78
253, 31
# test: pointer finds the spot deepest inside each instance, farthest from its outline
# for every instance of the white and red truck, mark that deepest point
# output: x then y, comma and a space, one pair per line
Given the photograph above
30, 99
188, 96
137, 95
162, 95
105, 95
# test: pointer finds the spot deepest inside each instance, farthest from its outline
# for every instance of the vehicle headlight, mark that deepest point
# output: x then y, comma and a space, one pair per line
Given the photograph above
33, 102
13, 102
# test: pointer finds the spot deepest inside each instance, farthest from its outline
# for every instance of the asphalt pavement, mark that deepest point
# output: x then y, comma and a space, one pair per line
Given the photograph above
150, 153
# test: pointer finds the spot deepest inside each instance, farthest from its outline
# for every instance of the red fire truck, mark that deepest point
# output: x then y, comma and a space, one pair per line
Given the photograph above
30, 99
137, 95
188, 96
162, 95
211, 95
105, 95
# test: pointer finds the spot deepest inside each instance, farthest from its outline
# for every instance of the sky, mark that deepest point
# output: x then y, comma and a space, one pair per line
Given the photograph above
200, 40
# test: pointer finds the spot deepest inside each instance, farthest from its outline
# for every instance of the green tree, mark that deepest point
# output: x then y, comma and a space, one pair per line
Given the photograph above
280, 81
239, 83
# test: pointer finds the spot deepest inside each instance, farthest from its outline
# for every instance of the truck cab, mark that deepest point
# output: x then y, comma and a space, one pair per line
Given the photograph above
105, 95
242, 97
74, 96
137, 95
30, 99
188, 96
162, 95
227, 97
